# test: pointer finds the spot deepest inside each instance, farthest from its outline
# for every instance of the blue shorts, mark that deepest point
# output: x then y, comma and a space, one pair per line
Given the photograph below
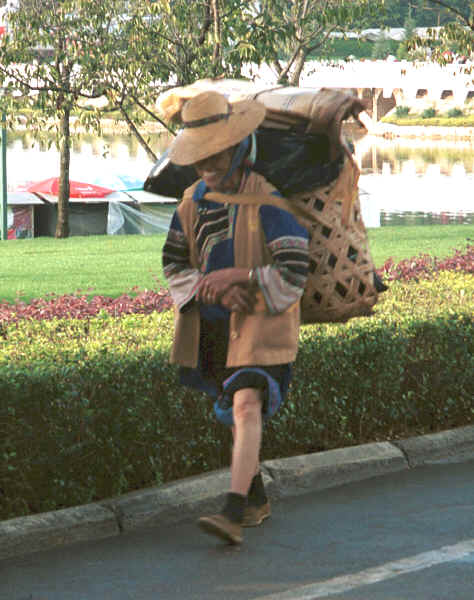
221, 382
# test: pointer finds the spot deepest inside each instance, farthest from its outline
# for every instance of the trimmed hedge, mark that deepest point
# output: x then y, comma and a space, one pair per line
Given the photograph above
89, 408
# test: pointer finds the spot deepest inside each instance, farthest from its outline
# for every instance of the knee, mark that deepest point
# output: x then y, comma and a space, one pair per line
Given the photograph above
247, 406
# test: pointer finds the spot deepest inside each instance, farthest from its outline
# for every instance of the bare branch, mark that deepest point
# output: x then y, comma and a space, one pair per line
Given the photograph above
455, 11
152, 114
206, 24
137, 134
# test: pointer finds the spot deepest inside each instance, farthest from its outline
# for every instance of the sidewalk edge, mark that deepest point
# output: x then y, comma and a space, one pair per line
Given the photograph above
283, 477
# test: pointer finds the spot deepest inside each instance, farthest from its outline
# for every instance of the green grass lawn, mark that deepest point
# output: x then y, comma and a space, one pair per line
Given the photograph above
407, 241
112, 265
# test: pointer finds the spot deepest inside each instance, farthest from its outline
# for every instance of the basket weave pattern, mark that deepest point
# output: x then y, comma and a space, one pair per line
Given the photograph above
341, 280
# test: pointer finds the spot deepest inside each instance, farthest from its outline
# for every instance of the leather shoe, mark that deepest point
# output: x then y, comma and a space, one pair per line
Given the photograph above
222, 527
255, 515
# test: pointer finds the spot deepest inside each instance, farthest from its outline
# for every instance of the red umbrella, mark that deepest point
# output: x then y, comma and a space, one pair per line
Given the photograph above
77, 189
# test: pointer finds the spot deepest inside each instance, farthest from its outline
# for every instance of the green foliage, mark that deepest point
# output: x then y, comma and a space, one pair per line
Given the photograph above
455, 112
457, 19
343, 48
428, 113
402, 111
298, 30
91, 408
384, 47
437, 121
422, 13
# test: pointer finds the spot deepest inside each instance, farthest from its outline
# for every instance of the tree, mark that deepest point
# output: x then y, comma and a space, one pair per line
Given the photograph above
457, 32
50, 70
125, 51
163, 44
403, 51
434, 13
423, 12
287, 33
460, 31
65, 33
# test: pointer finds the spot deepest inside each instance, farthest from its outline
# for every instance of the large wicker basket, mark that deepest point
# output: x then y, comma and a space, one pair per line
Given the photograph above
341, 284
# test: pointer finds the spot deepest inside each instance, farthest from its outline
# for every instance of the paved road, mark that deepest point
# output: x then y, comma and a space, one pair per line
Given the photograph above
404, 536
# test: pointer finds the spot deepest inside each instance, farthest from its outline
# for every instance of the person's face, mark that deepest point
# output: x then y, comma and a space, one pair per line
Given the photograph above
214, 168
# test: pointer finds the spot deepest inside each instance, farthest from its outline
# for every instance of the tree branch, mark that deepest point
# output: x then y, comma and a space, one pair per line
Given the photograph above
321, 41
152, 114
454, 10
136, 133
206, 25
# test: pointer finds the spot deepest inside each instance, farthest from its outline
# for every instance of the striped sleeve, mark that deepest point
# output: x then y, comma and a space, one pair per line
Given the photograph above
283, 282
183, 280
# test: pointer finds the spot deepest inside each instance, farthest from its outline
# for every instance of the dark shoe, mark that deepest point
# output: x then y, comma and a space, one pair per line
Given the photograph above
222, 527
255, 515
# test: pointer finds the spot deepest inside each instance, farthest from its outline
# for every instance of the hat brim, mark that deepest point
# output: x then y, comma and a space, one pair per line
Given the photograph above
194, 144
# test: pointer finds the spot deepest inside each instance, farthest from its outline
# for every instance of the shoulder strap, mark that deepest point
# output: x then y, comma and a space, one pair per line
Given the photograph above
249, 199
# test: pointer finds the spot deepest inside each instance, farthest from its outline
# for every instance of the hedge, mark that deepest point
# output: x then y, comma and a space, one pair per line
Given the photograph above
90, 408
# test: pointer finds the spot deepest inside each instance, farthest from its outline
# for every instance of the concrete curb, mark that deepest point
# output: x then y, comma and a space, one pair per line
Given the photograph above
186, 498
431, 448
47, 530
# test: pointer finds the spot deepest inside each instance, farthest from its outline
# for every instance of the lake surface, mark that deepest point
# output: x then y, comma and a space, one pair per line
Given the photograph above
402, 181
415, 182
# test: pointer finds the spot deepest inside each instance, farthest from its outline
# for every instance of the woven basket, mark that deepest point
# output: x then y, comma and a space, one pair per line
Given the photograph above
341, 281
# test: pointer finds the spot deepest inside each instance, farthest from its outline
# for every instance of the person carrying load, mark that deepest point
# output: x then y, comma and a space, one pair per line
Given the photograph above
236, 274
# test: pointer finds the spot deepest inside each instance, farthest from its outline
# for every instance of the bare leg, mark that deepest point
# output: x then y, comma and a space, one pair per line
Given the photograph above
247, 439
257, 468
247, 434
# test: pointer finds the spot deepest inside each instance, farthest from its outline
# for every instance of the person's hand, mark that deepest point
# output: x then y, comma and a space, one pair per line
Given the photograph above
216, 284
239, 298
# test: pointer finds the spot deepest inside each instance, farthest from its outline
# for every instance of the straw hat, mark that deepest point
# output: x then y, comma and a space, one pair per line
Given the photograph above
211, 124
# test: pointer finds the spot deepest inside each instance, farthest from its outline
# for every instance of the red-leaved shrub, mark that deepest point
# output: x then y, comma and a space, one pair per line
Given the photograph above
425, 266
75, 306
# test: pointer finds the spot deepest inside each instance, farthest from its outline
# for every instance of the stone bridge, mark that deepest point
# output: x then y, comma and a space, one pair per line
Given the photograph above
384, 84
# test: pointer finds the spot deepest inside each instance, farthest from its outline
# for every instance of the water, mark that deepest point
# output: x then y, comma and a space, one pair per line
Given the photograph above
402, 181
28, 162
416, 182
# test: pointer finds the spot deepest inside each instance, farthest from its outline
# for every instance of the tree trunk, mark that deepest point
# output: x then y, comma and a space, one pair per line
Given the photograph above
298, 65
62, 224
216, 54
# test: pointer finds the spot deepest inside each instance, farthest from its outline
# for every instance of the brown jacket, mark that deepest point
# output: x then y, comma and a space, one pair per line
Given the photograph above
256, 339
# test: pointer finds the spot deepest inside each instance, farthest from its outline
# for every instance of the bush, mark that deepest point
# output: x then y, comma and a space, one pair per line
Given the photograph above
384, 47
340, 49
90, 407
455, 112
402, 111
436, 121
428, 113
426, 266
76, 306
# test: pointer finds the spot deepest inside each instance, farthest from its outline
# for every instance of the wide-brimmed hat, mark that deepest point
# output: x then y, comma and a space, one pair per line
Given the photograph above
211, 124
